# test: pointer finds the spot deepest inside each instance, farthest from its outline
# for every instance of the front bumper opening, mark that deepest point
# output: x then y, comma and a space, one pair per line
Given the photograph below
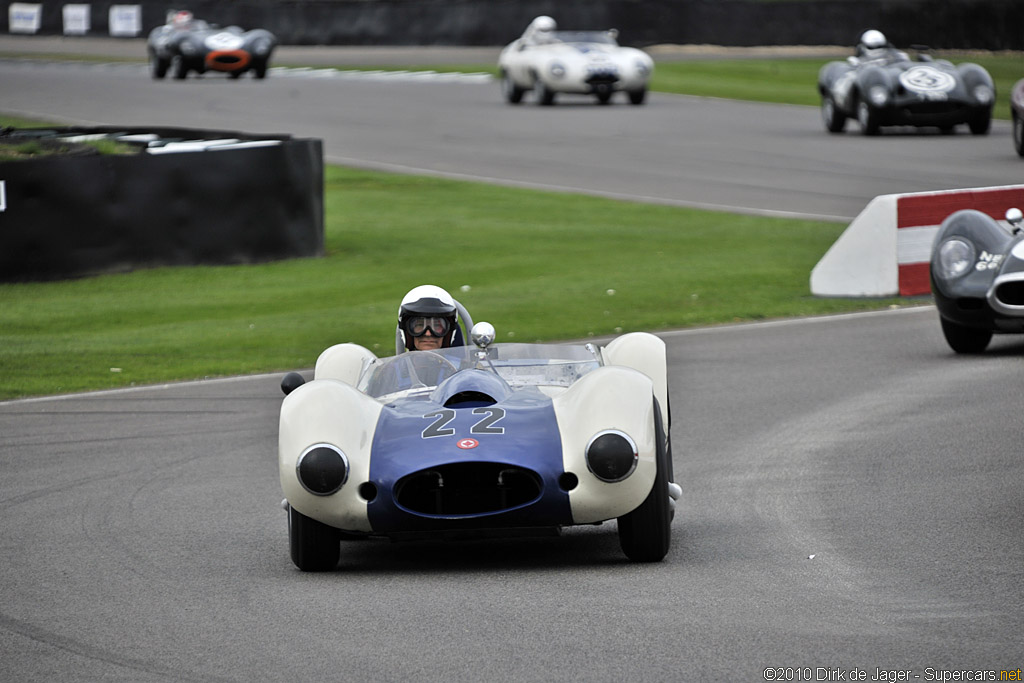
468, 489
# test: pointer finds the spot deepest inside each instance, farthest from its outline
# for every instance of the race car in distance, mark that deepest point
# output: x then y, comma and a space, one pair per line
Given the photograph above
977, 278
1017, 114
485, 440
187, 44
549, 62
882, 86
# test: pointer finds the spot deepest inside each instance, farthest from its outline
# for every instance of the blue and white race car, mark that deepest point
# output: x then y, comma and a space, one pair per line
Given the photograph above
491, 439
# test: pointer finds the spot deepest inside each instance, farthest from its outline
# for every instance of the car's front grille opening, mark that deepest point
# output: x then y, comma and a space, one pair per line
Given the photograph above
1011, 293
471, 488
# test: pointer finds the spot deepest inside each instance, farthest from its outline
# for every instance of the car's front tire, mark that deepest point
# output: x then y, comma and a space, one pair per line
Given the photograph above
637, 96
315, 547
835, 120
963, 339
545, 95
645, 533
178, 65
980, 122
158, 67
259, 70
867, 117
512, 92
1018, 134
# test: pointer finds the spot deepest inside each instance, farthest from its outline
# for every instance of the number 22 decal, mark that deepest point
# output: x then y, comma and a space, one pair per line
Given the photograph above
439, 427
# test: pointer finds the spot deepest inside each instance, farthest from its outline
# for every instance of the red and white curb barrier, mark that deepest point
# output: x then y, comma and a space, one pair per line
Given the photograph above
886, 250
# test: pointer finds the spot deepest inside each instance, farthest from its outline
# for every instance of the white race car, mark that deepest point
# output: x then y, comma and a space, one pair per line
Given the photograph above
582, 62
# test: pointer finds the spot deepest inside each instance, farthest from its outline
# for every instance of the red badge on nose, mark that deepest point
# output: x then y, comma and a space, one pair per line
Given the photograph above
466, 444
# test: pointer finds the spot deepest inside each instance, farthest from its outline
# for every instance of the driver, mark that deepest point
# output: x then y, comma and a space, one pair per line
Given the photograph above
428, 319
541, 31
874, 45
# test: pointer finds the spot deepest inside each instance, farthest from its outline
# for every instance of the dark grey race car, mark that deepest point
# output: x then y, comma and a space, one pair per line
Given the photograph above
186, 44
977, 277
889, 88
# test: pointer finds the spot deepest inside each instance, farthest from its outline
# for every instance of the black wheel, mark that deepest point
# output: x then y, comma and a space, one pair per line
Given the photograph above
637, 96
980, 123
315, 546
180, 70
965, 339
512, 92
259, 70
158, 67
545, 95
234, 75
835, 120
1018, 134
645, 533
867, 117
604, 94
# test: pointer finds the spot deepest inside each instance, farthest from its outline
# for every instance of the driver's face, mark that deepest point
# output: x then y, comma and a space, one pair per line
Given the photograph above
428, 342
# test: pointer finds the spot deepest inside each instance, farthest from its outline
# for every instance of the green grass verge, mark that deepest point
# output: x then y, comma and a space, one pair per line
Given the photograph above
539, 265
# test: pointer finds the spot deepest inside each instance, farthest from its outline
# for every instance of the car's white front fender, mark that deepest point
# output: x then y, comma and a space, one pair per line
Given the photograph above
332, 412
618, 398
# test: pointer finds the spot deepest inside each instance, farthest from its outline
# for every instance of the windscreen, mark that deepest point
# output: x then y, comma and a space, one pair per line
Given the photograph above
418, 372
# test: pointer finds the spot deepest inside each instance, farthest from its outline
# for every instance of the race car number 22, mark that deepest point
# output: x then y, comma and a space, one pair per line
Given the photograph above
486, 425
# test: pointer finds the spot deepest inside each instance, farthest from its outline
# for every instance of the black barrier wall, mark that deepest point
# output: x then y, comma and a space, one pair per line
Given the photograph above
949, 24
83, 215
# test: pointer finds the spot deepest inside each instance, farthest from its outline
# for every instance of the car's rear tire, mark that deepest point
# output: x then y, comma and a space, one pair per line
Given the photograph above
963, 339
512, 92
259, 70
867, 117
637, 96
1018, 134
645, 533
315, 547
835, 120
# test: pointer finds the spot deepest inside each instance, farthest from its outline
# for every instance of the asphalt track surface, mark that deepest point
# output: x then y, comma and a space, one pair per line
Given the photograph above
853, 491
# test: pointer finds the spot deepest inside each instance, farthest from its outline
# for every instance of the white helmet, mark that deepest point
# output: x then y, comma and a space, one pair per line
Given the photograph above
872, 39
543, 23
428, 301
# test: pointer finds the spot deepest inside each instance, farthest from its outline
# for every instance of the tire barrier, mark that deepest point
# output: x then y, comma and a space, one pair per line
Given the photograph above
185, 197
886, 250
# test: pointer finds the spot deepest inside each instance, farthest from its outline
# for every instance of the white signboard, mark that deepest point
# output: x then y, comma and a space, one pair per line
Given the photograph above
24, 17
125, 20
76, 20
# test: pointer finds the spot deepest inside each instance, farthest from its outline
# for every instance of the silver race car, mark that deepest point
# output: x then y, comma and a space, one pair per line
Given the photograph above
548, 62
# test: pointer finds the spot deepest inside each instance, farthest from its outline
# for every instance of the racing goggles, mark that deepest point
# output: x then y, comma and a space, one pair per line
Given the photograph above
419, 325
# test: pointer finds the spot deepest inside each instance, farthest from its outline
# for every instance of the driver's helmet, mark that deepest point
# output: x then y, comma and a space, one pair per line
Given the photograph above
181, 19
872, 42
427, 307
542, 29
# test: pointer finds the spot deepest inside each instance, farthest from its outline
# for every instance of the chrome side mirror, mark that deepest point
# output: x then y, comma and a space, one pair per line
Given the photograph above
482, 335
